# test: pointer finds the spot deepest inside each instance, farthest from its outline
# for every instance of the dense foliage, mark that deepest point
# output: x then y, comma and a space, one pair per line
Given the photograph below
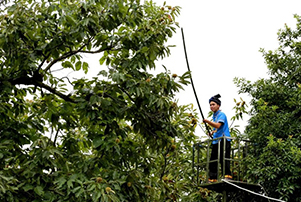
117, 136
275, 123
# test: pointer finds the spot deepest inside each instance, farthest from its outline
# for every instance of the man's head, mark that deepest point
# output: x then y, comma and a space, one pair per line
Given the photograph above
215, 99
215, 103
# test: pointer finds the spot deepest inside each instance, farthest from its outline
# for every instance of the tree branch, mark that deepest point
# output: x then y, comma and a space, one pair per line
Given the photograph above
44, 60
54, 91
55, 137
66, 55
32, 81
165, 164
100, 50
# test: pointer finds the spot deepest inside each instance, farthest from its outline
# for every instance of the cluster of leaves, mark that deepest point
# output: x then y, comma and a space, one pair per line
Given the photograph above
277, 168
118, 136
276, 110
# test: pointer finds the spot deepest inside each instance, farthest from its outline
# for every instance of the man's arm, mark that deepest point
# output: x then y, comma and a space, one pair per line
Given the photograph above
213, 124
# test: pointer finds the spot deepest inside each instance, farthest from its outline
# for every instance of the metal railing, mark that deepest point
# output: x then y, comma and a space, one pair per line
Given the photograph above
200, 165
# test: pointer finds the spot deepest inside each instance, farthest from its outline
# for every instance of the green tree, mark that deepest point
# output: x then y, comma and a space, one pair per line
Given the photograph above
275, 123
118, 136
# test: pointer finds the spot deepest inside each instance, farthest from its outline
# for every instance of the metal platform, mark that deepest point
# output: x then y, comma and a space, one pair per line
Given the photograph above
236, 191
224, 186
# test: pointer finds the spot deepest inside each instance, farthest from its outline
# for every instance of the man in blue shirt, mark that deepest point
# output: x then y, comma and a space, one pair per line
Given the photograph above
220, 129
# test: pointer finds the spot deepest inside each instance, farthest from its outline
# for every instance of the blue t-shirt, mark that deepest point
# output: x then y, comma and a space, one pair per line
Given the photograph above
220, 117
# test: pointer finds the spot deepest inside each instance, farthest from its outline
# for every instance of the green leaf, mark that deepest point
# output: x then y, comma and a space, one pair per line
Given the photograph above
85, 67
39, 190
27, 187
67, 64
70, 183
97, 142
78, 65
102, 60
60, 182
93, 99
71, 20
103, 72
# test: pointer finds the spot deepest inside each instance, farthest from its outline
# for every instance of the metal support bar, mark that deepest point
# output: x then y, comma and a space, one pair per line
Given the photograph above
198, 164
193, 162
224, 156
208, 161
224, 196
218, 159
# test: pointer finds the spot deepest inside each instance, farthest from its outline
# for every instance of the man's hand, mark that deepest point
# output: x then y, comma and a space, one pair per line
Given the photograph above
213, 124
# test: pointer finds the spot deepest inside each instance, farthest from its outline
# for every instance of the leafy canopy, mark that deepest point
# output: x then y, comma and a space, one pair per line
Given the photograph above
118, 136
275, 123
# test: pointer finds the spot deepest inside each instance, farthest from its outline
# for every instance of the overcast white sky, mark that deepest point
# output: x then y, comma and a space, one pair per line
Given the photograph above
223, 39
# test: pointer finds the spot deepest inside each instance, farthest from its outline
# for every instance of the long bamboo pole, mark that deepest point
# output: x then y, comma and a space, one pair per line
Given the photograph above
207, 128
